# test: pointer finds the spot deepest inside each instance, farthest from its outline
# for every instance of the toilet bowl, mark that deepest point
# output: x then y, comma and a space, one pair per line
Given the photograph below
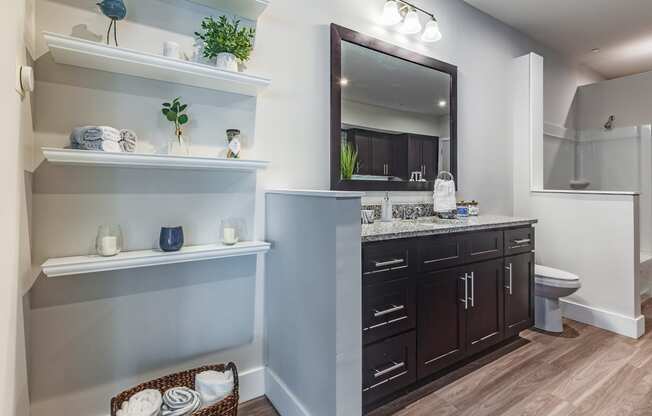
550, 285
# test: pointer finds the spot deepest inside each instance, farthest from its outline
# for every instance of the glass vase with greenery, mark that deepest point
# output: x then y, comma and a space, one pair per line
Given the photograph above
176, 113
221, 37
348, 161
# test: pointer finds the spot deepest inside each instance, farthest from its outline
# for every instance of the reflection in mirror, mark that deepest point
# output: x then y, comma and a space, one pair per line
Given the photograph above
395, 118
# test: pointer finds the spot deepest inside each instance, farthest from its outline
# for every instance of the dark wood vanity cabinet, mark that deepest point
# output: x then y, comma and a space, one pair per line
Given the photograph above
456, 295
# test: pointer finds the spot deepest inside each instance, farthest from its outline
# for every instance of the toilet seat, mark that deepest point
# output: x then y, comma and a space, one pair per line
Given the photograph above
548, 276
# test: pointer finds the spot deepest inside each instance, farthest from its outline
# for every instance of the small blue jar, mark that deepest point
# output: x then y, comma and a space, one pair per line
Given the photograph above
171, 238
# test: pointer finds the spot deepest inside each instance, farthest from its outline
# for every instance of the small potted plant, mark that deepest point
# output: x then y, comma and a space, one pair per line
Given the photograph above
348, 161
226, 41
175, 113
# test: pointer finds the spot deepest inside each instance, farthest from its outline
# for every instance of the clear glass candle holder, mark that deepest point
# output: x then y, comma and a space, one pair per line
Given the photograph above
109, 240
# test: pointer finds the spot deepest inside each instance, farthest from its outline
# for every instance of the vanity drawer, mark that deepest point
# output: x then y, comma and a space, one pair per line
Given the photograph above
388, 366
440, 253
519, 240
484, 245
388, 309
386, 260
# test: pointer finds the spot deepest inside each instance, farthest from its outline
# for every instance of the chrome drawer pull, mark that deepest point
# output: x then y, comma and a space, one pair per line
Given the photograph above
396, 366
465, 301
384, 381
510, 269
388, 263
393, 309
522, 242
472, 289
393, 321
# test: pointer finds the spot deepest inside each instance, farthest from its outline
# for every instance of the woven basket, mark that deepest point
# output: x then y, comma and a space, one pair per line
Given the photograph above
226, 407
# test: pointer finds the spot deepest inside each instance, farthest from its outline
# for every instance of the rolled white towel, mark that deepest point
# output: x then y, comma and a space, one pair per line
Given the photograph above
128, 140
180, 401
110, 134
213, 386
144, 403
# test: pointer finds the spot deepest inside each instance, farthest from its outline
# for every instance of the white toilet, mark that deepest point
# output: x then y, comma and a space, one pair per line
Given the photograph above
550, 285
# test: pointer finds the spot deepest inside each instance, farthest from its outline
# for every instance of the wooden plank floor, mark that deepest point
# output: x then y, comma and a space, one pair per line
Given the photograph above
584, 371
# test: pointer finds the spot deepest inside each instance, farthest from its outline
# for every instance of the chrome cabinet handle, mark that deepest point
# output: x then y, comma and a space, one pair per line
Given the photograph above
394, 367
382, 324
510, 269
387, 380
472, 289
522, 242
389, 262
393, 309
465, 301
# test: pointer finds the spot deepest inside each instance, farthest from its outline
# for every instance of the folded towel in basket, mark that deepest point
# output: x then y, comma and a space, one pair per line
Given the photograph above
144, 403
180, 401
213, 386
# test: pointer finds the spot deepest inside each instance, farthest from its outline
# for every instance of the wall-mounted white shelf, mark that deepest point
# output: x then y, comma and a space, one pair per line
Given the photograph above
139, 160
249, 9
67, 266
86, 54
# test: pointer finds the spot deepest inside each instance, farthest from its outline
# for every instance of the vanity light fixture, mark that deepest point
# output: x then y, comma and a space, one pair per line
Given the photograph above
407, 14
344, 82
391, 13
442, 103
431, 33
411, 24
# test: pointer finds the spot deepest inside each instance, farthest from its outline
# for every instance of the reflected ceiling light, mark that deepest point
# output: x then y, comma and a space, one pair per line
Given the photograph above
442, 103
431, 33
407, 14
344, 82
411, 24
391, 13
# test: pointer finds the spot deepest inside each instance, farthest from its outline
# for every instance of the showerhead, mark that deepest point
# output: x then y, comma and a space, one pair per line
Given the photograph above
609, 125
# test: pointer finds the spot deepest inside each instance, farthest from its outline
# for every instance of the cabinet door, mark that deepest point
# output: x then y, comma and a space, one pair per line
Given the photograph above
381, 149
429, 158
484, 316
440, 321
362, 143
519, 293
415, 150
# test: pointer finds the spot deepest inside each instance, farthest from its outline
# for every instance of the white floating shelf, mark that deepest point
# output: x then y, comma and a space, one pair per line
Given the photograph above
66, 266
249, 9
138, 160
86, 54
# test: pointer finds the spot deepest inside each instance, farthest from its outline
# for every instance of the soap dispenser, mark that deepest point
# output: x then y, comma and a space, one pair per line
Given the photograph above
386, 212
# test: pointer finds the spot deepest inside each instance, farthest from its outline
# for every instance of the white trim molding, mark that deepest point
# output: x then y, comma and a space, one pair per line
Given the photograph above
559, 132
252, 384
285, 402
610, 321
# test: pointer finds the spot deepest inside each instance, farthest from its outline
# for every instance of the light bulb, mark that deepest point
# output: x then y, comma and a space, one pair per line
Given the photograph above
431, 33
391, 13
442, 103
411, 24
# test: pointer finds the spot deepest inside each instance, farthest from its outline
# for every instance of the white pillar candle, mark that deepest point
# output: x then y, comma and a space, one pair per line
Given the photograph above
109, 246
229, 236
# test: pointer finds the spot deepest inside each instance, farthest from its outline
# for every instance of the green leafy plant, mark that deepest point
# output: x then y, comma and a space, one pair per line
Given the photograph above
175, 112
348, 161
222, 36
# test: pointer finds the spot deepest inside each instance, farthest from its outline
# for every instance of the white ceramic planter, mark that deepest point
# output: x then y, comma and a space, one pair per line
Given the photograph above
227, 61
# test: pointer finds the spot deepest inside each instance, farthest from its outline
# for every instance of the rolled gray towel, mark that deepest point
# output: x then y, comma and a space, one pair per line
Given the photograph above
98, 138
180, 401
128, 140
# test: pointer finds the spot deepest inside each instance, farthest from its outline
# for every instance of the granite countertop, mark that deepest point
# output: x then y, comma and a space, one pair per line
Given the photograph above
424, 226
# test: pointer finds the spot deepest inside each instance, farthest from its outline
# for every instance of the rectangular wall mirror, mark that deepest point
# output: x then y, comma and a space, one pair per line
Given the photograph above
393, 115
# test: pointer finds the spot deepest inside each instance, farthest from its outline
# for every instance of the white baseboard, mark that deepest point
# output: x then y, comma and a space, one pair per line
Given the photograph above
610, 321
285, 402
252, 384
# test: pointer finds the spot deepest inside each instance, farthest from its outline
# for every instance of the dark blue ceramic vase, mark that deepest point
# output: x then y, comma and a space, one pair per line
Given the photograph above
171, 238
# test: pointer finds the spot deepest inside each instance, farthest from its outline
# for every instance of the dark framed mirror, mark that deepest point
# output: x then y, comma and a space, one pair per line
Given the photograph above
393, 115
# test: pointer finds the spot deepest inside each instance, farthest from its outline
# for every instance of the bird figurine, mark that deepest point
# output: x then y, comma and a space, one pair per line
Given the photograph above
114, 10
